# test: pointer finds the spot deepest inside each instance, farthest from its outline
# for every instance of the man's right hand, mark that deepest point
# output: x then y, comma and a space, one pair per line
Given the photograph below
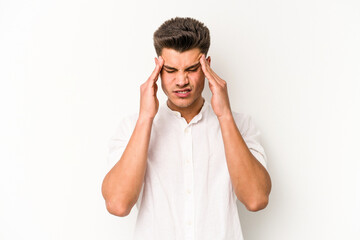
149, 104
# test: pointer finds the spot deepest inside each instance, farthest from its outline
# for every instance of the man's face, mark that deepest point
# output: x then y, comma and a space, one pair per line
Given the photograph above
182, 78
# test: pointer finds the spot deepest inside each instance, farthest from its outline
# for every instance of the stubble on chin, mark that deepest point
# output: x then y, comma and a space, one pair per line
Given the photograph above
182, 104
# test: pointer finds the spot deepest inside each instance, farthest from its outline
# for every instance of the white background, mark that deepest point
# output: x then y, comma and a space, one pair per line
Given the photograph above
70, 69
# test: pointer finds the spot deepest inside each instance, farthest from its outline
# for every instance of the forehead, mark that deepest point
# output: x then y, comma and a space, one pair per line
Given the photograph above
175, 59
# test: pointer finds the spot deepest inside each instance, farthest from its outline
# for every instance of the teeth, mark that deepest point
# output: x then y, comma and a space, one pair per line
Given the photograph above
182, 91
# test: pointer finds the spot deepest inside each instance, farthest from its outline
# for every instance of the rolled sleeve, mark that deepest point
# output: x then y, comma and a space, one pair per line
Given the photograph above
251, 135
119, 140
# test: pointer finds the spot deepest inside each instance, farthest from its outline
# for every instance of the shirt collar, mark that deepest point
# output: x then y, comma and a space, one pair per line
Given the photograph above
195, 119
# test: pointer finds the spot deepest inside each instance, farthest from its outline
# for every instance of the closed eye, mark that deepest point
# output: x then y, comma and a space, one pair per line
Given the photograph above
193, 69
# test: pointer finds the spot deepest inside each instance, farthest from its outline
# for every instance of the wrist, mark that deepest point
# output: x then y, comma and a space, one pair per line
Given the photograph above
226, 118
145, 119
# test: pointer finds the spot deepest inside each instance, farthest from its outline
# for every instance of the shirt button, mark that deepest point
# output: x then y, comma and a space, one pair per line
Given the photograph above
188, 161
189, 223
188, 191
186, 130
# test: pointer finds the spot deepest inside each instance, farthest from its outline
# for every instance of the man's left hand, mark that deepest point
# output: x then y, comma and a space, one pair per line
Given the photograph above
220, 99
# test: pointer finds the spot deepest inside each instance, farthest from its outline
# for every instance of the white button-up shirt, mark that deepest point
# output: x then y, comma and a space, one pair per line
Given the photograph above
187, 192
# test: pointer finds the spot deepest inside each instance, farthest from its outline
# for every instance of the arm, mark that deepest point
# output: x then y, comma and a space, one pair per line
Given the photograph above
251, 181
122, 184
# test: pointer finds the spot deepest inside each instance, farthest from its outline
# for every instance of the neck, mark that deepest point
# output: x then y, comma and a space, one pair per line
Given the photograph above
188, 112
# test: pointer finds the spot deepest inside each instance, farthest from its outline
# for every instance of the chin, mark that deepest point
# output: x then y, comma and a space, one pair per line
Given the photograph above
182, 102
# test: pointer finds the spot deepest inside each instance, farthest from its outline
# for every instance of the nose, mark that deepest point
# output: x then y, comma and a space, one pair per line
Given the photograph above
182, 79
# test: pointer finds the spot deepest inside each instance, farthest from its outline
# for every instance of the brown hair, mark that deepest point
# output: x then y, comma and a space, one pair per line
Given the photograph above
182, 34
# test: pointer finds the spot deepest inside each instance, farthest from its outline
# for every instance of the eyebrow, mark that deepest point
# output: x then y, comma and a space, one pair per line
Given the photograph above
192, 66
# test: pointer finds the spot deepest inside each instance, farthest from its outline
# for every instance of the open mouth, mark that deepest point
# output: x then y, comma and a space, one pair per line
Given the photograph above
185, 90
182, 92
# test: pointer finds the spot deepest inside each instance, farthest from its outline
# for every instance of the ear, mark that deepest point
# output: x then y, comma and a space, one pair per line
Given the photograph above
208, 59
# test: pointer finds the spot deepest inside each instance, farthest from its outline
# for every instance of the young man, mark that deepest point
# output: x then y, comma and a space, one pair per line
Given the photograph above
184, 164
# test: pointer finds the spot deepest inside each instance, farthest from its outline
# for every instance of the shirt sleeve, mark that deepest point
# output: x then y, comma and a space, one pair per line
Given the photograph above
119, 140
251, 135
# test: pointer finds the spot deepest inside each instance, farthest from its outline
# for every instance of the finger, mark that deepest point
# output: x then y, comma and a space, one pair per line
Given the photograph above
218, 79
206, 70
155, 74
161, 61
204, 67
155, 88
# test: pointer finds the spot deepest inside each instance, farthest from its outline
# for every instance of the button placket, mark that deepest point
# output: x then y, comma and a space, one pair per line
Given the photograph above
189, 184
